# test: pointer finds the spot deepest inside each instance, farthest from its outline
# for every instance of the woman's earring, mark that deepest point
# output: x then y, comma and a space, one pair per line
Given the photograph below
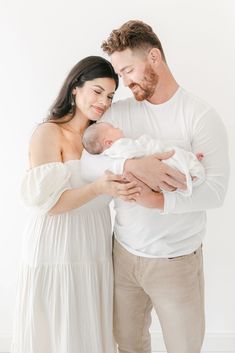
72, 100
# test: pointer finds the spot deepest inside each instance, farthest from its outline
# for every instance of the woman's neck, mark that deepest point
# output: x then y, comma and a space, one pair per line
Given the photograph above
78, 124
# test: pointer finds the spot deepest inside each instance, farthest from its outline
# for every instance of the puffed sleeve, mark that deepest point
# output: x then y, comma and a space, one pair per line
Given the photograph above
43, 185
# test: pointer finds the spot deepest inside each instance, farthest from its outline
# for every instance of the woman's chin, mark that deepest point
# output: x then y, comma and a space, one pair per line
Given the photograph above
95, 117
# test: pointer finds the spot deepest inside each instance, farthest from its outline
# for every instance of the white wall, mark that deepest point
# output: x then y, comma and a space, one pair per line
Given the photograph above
41, 41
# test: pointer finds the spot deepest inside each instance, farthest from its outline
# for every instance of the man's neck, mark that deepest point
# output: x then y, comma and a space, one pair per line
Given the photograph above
166, 87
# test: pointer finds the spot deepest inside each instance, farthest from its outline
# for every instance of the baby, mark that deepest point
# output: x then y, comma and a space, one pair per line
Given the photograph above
103, 138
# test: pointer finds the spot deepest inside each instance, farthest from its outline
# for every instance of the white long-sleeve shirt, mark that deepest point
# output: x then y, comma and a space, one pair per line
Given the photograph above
184, 121
186, 162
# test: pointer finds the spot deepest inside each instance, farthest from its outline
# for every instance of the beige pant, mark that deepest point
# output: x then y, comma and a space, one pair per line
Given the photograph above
174, 287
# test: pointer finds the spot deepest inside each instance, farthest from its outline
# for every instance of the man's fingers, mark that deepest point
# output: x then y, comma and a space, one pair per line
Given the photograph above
166, 187
164, 155
167, 169
175, 174
175, 184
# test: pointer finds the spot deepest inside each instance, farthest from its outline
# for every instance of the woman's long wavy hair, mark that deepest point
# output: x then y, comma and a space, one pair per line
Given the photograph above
87, 69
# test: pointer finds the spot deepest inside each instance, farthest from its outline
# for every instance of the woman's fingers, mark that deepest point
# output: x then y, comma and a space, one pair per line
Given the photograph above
129, 192
113, 177
127, 198
127, 185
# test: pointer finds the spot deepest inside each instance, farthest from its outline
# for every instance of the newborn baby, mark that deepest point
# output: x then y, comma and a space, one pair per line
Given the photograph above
103, 138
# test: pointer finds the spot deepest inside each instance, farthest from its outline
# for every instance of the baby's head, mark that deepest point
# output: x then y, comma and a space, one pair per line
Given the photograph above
100, 136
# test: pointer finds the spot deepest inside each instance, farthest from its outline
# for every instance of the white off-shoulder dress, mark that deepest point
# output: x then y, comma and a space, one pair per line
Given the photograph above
65, 287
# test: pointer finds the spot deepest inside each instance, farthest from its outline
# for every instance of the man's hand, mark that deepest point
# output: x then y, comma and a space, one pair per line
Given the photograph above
156, 174
146, 197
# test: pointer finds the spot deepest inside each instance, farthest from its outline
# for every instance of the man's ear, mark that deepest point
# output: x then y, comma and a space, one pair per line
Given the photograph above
155, 56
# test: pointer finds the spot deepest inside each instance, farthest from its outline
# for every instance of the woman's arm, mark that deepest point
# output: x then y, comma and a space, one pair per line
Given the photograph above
109, 184
46, 147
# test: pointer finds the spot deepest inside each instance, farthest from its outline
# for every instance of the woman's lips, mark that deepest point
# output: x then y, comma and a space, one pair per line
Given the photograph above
98, 109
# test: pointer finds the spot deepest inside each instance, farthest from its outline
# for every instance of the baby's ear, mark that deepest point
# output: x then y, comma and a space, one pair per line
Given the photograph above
108, 143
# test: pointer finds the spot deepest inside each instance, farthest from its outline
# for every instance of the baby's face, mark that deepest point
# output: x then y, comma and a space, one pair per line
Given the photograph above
113, 133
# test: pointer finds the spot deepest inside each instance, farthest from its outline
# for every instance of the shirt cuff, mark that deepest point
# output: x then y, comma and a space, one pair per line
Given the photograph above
169, 202
118, 166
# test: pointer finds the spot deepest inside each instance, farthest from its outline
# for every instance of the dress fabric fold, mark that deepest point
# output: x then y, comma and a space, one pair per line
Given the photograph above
65, 286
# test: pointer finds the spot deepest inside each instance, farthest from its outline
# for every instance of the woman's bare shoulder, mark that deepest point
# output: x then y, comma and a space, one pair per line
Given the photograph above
46, 130
45, 144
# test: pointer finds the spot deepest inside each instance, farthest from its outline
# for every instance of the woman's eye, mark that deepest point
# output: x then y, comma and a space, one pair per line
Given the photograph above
97, 92
129, 71
110, 97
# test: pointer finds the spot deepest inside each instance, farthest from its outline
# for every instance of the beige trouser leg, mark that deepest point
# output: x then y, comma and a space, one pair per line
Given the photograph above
132, 306
173, 286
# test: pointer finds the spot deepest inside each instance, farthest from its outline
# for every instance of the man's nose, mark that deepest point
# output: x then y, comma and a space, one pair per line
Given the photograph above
126, 81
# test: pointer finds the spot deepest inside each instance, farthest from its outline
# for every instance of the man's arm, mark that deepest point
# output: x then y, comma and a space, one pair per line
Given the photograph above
146, 197
149, 169
156, 174
209, 137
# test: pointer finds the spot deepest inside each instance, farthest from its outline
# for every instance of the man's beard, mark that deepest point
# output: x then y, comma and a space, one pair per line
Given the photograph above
147, 86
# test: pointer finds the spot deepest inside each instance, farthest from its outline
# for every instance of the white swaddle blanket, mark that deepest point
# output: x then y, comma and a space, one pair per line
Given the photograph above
184, 161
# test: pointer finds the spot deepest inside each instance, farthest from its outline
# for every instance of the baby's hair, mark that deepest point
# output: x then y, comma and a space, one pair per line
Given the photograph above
91, 139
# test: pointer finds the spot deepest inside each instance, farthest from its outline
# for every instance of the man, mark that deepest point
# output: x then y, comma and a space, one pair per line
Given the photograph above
157, 250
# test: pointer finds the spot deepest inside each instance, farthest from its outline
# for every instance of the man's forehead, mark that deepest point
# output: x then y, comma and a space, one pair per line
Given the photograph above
121, 59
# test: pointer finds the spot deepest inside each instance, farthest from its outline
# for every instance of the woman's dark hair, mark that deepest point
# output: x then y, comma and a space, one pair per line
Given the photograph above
87, 69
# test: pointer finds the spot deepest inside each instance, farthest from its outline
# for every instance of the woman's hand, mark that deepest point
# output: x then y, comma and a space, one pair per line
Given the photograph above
116, 186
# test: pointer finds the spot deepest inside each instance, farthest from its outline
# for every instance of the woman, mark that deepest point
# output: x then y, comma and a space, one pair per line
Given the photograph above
64, 302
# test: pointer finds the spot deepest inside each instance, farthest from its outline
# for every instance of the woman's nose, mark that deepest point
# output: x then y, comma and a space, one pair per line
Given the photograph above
104, 101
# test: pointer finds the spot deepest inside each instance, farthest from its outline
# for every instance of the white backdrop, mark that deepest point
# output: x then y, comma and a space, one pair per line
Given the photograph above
40, 42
